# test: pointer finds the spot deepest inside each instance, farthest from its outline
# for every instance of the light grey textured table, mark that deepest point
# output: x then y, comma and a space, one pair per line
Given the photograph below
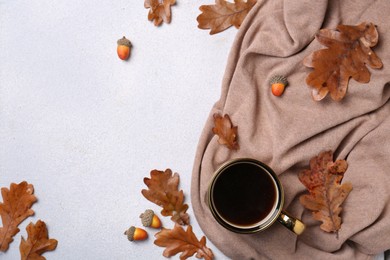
85, 128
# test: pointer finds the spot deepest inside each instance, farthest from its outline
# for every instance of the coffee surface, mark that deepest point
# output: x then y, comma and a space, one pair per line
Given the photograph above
244, 194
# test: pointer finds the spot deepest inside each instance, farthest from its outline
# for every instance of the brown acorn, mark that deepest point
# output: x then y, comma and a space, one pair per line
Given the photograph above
134, 233
278, 83
149, 219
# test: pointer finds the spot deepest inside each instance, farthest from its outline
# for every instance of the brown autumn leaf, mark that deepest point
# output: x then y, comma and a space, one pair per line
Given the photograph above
226, 132
163, 191
348, 53
160, 10
326, 193
37, 242
178, 240
224, 14
15, 208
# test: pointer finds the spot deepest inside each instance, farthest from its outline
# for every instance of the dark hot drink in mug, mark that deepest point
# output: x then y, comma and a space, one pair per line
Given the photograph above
246, 196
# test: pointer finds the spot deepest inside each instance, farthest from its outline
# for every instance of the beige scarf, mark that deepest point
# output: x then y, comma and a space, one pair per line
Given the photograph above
285, 132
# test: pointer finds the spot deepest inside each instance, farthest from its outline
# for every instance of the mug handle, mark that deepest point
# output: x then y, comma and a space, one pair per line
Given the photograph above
293, 224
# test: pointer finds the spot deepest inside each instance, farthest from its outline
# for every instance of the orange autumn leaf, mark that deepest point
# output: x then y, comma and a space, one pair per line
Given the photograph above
15, 208
226, 132
223, 14
160, 10
163, 191
326, 193
177, 240
348, 53
37, 242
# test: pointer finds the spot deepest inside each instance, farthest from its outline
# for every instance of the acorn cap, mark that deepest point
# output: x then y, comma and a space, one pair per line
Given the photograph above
124, 41
130, 233
278, 79
147, 217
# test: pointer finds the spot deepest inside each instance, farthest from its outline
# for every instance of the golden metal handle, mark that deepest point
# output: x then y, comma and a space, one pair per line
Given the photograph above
293, 224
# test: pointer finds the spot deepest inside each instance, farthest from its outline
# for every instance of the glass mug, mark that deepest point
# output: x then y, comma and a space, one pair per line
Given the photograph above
246, 196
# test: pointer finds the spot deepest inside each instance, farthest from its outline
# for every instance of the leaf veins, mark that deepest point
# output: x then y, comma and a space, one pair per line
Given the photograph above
178, 240
224, 14
37, 242
326, 193
226, 132
15, 208
348, 52
160, 10
163, 191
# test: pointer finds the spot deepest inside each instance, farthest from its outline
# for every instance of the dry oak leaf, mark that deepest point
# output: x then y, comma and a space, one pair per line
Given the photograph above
15, 208
160, 10
224, 14
326, 193
348, 52
226, 132
163, 191
37, 242
177, 240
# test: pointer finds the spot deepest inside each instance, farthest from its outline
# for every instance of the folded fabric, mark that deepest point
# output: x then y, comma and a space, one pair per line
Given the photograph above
286, 132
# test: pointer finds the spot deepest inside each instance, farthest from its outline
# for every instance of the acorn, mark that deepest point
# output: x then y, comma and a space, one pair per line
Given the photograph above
278, 83
134, 233
149, 219
124, 48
